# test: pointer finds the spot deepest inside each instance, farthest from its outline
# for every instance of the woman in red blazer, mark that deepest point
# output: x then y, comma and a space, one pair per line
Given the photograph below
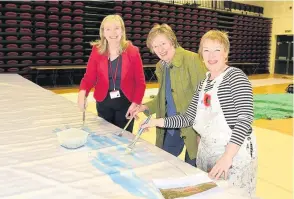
115, 70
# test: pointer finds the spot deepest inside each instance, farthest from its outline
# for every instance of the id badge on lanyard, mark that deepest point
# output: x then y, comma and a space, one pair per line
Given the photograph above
115, 93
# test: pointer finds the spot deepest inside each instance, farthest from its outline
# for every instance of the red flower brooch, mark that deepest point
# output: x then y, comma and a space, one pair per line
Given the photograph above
206, 99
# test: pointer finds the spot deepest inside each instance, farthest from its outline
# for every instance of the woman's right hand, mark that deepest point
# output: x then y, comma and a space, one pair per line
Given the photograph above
140, 108
82, 100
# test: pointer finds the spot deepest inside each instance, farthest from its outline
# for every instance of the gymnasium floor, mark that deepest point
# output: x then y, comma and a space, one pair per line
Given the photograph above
274, 137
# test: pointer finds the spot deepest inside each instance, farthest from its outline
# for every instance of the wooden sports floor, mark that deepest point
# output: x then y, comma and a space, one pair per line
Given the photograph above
274, 138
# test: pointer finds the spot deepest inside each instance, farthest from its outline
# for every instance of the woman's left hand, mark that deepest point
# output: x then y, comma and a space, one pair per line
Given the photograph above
222, 166
153, 123
131, 109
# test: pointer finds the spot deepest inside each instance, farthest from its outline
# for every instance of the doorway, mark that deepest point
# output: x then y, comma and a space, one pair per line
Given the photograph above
284, 55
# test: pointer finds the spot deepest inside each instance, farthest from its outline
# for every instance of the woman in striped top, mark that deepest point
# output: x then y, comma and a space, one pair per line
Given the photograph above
221, 111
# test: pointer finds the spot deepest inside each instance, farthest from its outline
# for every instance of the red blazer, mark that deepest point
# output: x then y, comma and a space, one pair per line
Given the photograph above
132, 75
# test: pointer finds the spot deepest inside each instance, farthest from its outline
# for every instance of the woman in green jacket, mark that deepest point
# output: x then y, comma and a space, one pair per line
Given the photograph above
179, 72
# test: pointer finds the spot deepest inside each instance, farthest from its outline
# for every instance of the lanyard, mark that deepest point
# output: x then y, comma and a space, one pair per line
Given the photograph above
110, 68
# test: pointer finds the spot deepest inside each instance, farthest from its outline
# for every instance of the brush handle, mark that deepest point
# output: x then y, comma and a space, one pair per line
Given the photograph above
141, 130
128, 123
84, 112
126, 126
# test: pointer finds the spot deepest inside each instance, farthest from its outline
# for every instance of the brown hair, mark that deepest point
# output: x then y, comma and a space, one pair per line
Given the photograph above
163, 29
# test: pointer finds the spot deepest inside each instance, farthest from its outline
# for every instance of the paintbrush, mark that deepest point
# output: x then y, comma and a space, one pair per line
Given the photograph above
84, 113
126, 126
131, 146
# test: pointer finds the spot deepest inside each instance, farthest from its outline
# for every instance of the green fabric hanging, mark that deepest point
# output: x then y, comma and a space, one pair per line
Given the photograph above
273, 106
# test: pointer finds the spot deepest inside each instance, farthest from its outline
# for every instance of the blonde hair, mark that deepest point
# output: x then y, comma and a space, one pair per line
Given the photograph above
163, 29
102, 44
218, 36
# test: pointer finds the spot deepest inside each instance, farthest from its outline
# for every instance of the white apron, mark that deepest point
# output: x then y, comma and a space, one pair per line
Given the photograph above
215, 134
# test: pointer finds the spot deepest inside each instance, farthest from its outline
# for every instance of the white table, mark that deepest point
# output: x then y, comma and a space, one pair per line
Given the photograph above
34, 166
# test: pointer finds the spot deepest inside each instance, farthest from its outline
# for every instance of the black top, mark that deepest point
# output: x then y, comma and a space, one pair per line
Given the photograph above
114, 66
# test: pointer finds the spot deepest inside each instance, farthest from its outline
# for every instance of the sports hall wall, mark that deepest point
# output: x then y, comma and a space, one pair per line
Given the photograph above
51, 33
281, 13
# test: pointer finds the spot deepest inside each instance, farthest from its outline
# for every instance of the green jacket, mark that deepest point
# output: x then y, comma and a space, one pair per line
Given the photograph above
187, 72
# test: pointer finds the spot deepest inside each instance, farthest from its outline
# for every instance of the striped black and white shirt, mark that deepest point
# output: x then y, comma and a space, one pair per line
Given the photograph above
236, 100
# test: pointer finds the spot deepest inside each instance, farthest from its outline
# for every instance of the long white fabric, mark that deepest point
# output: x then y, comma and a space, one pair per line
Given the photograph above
33, 165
